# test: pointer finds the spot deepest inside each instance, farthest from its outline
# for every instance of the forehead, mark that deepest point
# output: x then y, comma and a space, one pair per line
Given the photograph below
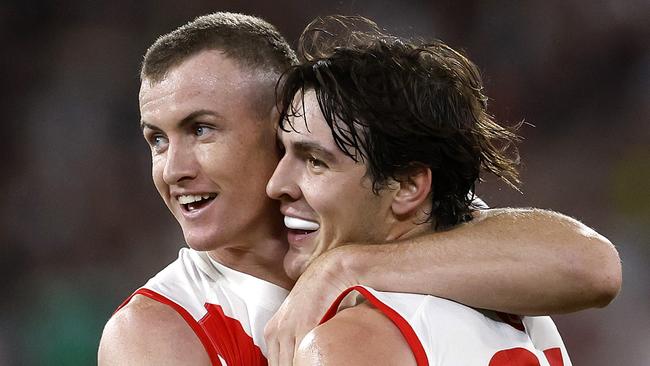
308, 123
207, 77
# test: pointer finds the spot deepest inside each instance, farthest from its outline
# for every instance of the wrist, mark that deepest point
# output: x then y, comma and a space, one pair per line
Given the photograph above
346, 263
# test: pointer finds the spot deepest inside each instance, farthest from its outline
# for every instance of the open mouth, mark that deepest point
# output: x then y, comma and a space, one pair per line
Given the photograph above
191, 202
300, 226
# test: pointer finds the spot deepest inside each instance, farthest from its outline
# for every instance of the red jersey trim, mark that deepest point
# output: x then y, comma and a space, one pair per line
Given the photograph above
401, 323
554, 356
512, 320
189, 319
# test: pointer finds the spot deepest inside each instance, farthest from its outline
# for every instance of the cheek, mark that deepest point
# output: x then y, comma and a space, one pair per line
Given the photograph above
264, 155
334, 200
349, 206
221, 162
238, 165
213, 158
259, 161
157, 168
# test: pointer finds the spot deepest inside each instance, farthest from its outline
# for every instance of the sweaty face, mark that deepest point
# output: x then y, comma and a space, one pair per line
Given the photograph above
212, 152
325, 196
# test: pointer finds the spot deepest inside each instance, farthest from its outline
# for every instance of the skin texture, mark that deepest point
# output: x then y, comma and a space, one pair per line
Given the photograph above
134, 336
332, 189
242, 228
338, 341
207, 136
571, 266
312, 172
304, 183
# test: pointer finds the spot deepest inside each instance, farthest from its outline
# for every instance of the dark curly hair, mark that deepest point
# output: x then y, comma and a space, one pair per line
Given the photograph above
395, 105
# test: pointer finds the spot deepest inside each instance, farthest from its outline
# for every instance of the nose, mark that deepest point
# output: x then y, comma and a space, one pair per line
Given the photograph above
180, 164
283, 184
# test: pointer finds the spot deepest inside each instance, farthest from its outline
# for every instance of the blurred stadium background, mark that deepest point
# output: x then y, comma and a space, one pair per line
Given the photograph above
82, 225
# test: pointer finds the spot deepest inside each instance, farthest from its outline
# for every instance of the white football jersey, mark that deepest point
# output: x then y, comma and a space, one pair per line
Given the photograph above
226, 309
443, 332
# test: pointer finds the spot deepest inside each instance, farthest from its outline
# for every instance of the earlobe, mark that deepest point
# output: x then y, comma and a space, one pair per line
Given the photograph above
413, 191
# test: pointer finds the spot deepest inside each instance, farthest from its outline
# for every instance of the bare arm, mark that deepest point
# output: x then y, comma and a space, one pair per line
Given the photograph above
146, 332
522, 261
360, 336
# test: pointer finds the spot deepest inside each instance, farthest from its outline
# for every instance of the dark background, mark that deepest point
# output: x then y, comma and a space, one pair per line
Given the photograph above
82, 225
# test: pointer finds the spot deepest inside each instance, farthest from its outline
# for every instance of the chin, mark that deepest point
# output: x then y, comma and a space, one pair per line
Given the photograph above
294, 267
201, 243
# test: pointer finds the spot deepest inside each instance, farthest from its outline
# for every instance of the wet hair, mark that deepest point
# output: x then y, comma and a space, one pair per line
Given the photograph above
396, 105
250, 40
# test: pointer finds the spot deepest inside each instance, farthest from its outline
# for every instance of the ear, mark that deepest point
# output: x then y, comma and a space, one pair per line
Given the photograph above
413, 191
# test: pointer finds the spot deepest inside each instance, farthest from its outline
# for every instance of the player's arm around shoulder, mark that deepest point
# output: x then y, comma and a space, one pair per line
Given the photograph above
146, 332
360, 335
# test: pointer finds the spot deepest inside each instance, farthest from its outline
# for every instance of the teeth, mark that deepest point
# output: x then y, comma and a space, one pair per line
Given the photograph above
300, 224
189, 198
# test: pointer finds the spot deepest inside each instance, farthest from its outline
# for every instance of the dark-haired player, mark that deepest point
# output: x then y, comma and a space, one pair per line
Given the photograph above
384, 140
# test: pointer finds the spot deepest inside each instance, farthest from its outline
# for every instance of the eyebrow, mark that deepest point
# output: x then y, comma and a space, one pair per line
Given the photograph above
306, 147
189, 118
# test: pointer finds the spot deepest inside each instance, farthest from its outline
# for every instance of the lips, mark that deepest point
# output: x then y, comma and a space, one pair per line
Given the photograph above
190, 198
194, 202
299, 230
300, 224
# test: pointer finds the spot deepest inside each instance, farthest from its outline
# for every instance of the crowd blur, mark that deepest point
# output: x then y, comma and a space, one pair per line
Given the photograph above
82, 225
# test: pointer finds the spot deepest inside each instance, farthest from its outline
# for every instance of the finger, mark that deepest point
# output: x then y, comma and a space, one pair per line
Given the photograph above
286, 352
274, 349
296, 345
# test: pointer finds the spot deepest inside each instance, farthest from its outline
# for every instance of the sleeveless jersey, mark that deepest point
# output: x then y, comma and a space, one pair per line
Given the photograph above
443, 332
225, 308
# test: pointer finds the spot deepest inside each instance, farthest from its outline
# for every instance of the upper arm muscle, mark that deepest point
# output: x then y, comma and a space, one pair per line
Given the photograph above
146, 332
360, 335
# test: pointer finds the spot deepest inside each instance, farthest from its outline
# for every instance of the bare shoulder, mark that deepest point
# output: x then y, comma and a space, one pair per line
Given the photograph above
146, 332
360, 335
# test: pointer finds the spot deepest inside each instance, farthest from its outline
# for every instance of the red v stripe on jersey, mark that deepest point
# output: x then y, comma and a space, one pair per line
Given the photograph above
220, 334
230, 338
401, 323
205, 340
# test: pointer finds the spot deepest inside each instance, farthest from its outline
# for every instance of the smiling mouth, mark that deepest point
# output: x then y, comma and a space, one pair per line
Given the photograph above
300, 232
300, 227
191, 203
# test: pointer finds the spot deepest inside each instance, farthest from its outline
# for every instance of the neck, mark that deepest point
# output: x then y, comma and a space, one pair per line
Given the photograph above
259, 252
410, 226
410, 231
262, 260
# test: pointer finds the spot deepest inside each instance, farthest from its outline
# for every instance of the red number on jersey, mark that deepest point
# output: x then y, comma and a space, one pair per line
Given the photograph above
523, 357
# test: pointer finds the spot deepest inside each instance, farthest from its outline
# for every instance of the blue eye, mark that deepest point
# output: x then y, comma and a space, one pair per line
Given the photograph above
158, 142
200, 130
